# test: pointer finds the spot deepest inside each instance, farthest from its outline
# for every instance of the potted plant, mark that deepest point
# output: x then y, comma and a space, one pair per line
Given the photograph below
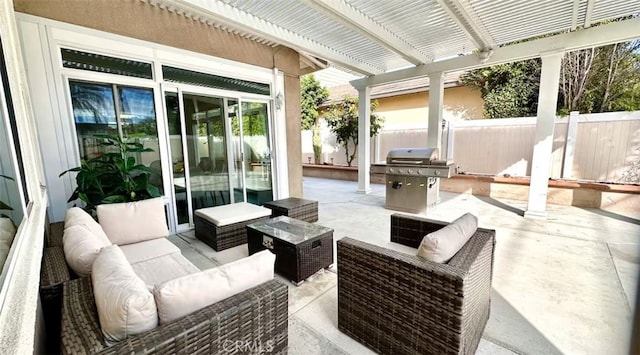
113, 176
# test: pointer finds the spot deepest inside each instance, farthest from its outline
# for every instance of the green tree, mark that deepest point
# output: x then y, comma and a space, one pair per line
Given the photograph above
312, 95
601, 79
598, 79
342, 119
508, 90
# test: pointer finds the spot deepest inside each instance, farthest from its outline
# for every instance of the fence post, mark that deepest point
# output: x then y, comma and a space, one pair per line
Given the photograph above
570, 145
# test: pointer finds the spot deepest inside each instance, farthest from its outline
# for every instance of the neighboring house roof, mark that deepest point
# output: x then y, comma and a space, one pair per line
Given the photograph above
394, 89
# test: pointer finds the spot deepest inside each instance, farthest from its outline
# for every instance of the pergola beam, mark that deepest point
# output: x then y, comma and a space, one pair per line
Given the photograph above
589, 13
220, 13
574, 15
461, 12
349, 16
614, 32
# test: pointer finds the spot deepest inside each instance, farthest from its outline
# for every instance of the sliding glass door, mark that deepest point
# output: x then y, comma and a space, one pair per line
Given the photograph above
219, 149
253, 132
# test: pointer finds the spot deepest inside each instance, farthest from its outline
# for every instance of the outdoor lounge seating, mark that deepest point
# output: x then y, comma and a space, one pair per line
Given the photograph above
113, 310
397, 303
224, 227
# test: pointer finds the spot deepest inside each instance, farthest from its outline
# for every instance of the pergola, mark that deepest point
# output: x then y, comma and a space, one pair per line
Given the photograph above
391, 41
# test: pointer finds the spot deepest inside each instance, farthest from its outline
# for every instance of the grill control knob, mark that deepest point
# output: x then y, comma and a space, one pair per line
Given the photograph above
401, 171
422, 172
392, 170
437, 172
409, 171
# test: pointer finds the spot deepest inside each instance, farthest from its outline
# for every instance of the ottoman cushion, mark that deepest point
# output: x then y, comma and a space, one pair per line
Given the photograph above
233, 213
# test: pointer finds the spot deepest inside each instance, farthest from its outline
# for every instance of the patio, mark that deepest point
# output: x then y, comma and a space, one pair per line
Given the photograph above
564, 285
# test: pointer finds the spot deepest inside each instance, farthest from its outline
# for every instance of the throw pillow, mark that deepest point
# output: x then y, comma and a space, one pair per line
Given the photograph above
125, 305
441, 245
187, 294
81, 247
133, 222
76, 215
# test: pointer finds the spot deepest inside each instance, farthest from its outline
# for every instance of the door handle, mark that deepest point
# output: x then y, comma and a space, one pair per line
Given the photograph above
396, 185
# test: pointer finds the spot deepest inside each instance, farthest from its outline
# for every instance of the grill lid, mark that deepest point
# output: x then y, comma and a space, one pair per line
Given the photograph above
412, 155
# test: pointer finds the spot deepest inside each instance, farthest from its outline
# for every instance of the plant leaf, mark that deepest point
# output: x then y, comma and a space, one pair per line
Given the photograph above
153, 191
114, 199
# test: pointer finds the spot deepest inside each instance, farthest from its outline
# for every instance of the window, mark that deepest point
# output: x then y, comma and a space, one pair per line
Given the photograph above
104, 64
116, 110
12, 199
213, 81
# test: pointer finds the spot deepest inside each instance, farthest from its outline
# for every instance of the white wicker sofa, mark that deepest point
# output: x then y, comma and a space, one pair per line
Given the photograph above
137, 293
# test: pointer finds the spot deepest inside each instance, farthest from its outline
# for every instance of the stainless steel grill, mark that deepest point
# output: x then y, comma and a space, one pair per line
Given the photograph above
412, 178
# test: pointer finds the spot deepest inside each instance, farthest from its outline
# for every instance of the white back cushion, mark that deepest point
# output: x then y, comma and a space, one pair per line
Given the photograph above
187, 294
81, 247
77, 216
441, 245
125, 305
132, 222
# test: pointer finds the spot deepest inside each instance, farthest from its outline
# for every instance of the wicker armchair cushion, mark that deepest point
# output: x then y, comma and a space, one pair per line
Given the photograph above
440, 246
133, 222
125, 305
187, 294
81, 247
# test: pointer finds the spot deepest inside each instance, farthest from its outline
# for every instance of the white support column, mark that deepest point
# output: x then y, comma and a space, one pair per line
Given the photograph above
364, 140
570, 145
541, 161
436, 95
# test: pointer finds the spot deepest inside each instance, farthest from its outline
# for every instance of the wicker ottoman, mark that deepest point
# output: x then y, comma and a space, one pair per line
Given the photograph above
301, 248
298, 208
224, 227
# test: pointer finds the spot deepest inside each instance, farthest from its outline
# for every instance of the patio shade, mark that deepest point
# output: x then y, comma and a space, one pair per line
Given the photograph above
375, 37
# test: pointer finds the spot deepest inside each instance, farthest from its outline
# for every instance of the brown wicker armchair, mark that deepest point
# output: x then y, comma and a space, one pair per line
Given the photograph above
396, 303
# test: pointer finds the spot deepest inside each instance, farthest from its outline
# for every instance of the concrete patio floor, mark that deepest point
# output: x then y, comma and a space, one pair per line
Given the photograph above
564, 285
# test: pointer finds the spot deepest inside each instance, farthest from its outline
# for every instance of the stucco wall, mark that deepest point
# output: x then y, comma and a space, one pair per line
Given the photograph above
137, 19
412, 110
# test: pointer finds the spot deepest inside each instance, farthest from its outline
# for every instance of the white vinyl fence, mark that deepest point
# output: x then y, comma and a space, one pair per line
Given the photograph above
597, 147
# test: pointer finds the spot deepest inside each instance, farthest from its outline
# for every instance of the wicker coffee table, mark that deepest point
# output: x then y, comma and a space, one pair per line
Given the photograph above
298, 208
301, 248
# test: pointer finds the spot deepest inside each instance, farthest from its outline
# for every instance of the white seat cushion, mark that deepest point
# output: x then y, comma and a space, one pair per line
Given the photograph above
441, 245
125, 305
149, 249
187, 294
161, 269
81, 247
233, 213
132, 222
